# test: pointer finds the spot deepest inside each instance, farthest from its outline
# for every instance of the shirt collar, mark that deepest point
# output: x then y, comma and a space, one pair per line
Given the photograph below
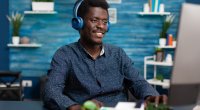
102, 51
85, 51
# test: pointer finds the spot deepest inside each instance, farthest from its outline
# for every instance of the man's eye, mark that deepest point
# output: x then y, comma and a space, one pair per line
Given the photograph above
105, 21
94, 20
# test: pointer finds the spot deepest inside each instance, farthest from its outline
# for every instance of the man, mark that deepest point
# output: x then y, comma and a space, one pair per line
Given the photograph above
91, 70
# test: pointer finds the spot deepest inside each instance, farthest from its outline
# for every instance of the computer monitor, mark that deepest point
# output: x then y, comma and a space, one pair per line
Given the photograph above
185, 78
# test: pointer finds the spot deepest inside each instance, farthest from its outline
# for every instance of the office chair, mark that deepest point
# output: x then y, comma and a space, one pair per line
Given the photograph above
43, 80
10, 86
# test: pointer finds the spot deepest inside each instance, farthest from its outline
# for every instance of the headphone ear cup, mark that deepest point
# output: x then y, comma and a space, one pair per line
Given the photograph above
108, 26
77, 23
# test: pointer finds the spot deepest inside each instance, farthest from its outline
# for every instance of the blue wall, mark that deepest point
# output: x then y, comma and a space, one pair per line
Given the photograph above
4, 35
136, 34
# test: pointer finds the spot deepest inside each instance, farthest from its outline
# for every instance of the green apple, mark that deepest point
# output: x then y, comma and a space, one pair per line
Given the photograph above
89, 105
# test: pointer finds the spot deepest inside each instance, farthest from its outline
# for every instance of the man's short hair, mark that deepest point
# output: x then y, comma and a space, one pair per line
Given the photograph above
86, 4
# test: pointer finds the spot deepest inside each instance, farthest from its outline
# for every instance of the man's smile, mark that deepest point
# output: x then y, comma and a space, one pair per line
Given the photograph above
99, 34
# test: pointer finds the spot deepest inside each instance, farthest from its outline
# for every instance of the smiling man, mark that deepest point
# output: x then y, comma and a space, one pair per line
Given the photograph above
89, 69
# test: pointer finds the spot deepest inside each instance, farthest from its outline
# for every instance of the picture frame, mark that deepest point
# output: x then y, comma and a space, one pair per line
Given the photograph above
112, 15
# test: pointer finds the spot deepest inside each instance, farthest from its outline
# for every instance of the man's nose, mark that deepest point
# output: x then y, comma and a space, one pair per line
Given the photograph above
101, 24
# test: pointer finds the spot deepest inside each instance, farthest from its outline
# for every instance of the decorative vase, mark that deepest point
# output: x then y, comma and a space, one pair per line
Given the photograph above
174, 43
24, 40
15, 40
162, 42
159, 55
168, 58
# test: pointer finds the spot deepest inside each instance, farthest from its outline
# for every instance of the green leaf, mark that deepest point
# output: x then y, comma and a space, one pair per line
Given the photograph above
160, 77
151, 106
16, 21
166, 24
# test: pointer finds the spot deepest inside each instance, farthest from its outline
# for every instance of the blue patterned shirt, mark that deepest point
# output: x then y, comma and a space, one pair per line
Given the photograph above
75, 77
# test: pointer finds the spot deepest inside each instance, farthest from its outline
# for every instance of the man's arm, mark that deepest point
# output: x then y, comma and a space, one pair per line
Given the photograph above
137, 85
53, 92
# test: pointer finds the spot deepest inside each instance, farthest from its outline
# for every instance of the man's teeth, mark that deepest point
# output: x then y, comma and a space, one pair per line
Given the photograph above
99, 34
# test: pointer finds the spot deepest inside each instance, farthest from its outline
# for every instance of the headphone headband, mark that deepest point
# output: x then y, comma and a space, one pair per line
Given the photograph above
76, 7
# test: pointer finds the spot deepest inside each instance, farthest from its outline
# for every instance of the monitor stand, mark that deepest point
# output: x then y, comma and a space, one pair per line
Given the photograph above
190, 106
197, 107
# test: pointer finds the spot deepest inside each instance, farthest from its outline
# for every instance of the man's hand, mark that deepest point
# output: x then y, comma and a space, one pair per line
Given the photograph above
75, 107
98, 103
156, 100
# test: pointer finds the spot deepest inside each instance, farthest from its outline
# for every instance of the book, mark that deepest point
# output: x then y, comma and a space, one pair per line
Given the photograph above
154, 5
150, 5
157, 6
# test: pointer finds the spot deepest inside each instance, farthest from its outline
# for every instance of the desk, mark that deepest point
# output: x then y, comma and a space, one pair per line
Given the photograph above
21, 105
38, 105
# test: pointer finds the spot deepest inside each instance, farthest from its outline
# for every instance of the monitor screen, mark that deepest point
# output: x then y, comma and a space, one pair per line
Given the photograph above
187, 54
185, 78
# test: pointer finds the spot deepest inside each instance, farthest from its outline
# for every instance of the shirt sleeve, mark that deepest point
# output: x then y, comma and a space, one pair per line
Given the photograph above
137, 85
54, 87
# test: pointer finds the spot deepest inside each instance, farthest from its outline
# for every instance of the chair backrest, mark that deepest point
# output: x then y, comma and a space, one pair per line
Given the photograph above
43, 80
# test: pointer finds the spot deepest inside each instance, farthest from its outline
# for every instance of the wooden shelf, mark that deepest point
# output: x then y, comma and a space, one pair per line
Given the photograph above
149, 60
154, 13
40, 12
166, 47
152, 62
12, 85
25, 45
164, 84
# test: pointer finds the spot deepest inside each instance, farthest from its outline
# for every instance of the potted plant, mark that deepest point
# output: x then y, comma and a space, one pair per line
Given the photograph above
160, 77
152, 106
166, 24
16, 21
42, 5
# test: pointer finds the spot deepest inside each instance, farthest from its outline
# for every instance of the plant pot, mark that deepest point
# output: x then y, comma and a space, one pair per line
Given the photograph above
15, 40
43, 6
162, 42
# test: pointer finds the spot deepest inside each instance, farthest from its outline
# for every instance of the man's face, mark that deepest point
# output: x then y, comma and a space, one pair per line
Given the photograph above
95, 26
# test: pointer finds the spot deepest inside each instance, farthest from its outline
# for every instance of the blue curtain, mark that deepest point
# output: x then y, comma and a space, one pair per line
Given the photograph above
4, 35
